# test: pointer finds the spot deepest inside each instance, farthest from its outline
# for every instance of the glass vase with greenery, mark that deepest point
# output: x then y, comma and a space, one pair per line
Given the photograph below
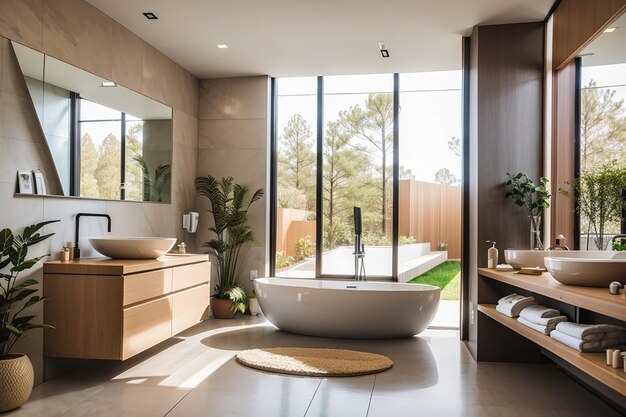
535, 197
231, 233
16, 297
599, 198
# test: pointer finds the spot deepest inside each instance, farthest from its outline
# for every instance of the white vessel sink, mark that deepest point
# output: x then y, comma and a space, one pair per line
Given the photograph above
598, 271
132, 247
518, 258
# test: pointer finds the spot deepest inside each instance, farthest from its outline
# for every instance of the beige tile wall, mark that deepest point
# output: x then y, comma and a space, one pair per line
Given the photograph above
233, 138
76, 32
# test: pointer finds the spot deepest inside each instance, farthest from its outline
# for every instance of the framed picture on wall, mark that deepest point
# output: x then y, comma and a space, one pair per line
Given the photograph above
24, 182
40, 183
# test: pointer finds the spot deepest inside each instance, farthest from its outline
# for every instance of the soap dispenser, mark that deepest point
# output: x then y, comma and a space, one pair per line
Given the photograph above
492, 256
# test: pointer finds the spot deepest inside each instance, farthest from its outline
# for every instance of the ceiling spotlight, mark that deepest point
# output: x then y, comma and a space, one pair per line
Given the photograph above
383, 50
222, 46
108, 84
611, 29
150, 16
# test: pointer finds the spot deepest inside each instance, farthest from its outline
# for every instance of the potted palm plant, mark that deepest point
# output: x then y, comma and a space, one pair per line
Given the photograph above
16, 370
231, 233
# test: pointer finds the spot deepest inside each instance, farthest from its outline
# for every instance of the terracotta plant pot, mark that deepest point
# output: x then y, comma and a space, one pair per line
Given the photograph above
16, 381
222, 309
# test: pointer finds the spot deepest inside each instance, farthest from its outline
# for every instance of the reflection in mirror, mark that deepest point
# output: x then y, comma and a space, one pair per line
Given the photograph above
602, 158
106, 141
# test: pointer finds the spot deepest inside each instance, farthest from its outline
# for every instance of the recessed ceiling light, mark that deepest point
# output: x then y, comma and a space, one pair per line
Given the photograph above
222, 46
610, 30
108, 84
150, 16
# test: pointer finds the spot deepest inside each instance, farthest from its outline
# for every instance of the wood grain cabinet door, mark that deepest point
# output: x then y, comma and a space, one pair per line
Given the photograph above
147, 285
190, 307
191, 275
145, 325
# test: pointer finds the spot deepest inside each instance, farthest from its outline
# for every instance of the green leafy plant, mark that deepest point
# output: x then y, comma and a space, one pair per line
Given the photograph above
158, 185
535, 197
283, 261
232, 232
598, 193
14, 257
303, 248
619, 244
406, 240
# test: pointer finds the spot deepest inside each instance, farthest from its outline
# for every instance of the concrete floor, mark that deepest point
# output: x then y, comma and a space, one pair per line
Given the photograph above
195, 374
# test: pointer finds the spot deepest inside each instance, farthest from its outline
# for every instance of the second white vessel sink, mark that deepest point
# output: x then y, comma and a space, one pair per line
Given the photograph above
132, 247
589, 271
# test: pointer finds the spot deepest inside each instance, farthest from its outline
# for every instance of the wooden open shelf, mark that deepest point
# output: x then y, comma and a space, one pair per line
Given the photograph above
593, 364
590, 298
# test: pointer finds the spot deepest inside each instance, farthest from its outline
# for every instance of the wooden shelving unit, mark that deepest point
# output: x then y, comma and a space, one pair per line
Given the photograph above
593, 299
593, 364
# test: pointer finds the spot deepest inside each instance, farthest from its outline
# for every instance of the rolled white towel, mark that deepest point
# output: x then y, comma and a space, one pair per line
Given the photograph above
535, 313
513, 310
586, 346
550, 324
588, 332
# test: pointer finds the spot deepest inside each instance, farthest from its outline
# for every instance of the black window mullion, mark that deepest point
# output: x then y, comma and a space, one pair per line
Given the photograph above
74, 144
396, 175
273, 174
319, 202
123, 157
577, 144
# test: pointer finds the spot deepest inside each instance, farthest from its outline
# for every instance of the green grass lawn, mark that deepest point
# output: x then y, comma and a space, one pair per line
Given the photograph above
446, 276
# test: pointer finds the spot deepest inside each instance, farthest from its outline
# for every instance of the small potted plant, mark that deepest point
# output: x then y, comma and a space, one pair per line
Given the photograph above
231, 233
16, 370
534, 197
253, 303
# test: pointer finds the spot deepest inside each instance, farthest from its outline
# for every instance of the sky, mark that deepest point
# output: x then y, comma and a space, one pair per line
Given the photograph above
430, 112
610, 76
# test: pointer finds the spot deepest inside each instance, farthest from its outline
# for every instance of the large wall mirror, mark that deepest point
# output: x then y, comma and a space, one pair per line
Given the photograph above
106, 141
601, 159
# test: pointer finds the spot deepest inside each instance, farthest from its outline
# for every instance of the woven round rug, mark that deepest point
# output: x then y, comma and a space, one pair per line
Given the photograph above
314, 362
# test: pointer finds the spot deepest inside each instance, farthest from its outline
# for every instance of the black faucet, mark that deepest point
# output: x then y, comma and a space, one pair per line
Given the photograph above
78, 216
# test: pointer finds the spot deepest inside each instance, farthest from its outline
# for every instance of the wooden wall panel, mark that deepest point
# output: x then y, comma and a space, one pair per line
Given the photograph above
506, 129
578, 22
563, 149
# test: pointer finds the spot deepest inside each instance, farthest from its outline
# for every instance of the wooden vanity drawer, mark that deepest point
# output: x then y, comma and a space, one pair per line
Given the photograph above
146, 285
145, 325
191, 275
189, 307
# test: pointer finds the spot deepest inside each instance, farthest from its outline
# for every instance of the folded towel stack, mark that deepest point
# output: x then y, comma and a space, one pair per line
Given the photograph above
511, 305
540, 318
589, 337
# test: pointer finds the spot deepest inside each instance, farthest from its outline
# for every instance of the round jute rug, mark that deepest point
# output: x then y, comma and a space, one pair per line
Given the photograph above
314, 362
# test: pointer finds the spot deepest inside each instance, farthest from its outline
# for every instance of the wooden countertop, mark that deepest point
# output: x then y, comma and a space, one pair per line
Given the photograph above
593, 364
108, 266
590, 298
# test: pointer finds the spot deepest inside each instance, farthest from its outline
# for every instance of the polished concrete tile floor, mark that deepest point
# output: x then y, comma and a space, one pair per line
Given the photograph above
195, 374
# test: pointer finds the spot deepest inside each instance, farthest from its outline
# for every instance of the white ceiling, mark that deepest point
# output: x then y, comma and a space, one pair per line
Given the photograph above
316, 37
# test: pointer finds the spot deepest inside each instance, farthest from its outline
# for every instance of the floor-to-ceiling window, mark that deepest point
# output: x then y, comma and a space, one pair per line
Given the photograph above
602, 156
357, 161
357, 172
430, 186
296, 105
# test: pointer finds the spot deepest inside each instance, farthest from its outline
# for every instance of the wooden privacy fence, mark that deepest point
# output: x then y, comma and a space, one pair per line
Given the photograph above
431, 213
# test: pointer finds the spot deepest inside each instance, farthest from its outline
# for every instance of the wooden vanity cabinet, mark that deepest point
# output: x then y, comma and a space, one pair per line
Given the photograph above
115, 309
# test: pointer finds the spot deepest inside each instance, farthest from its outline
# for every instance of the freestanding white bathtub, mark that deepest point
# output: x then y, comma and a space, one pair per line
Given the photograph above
347, 309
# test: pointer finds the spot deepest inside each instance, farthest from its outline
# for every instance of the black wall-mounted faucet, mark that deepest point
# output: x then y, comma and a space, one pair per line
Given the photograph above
78, 216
